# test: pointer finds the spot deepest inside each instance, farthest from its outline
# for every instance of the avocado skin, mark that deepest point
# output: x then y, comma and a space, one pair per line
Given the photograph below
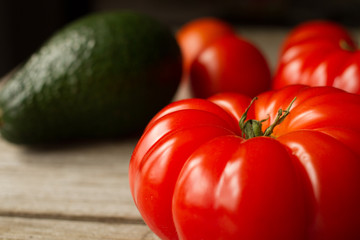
104, 75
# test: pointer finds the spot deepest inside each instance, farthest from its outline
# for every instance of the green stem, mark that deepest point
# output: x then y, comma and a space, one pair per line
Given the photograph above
244, 116
252, 128
346, 46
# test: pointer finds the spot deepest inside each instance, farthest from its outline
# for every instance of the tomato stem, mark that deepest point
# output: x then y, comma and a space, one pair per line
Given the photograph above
253, 128
346, 46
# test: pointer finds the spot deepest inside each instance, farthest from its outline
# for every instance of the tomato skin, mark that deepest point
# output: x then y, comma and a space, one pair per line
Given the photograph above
327, 161
169, 152
193, 175
221, 196
230, 64
319, 53
316, 29
197, 34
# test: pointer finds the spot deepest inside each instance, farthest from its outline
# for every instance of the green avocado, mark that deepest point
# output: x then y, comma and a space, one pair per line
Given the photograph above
104, 75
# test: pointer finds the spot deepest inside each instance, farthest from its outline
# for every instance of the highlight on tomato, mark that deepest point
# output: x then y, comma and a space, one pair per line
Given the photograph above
319, 53
284, 165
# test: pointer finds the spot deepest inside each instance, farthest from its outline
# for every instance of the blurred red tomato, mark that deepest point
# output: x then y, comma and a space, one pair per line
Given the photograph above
230, 64
316, 29
319, 53
197, 34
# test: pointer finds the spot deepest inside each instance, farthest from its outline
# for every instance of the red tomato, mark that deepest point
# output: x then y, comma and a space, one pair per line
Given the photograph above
230, 64
317, 29
319, 53
197, 34
193, 174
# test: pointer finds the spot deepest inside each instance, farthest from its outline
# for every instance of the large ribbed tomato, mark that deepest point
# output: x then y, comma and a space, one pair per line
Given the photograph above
216, 169
319, 53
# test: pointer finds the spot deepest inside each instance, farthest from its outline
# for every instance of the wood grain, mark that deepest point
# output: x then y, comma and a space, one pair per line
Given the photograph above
40, 229
82, 180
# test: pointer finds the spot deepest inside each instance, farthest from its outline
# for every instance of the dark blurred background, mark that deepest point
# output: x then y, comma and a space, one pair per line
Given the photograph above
25, 25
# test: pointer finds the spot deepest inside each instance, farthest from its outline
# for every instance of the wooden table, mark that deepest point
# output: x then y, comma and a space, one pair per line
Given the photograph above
81, 191
68, 192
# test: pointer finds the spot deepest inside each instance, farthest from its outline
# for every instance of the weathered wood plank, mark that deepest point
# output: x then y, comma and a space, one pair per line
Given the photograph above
79, 180
40, 229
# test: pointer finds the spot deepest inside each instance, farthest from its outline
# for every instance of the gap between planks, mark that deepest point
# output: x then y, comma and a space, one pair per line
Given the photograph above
67, 217
15, 228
